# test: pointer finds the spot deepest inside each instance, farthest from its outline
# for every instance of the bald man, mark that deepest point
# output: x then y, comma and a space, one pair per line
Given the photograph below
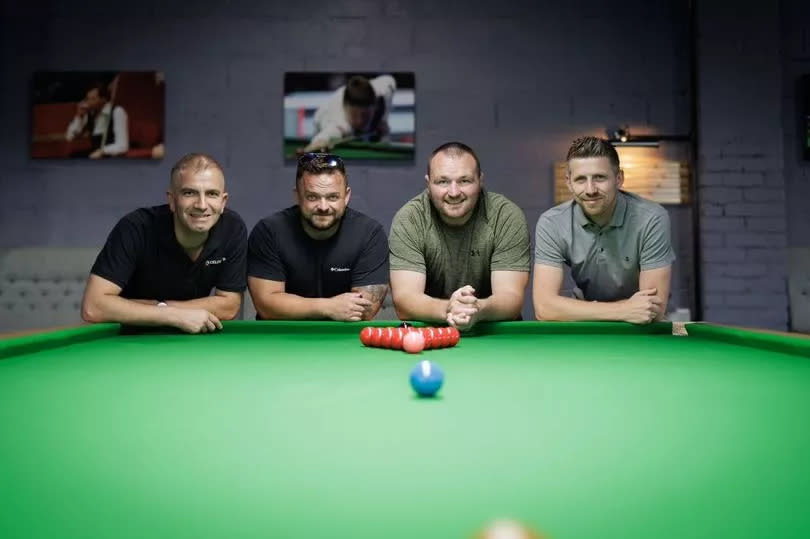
160, 264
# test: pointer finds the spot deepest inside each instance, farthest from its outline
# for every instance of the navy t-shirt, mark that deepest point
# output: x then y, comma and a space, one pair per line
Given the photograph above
142, 256
280, 250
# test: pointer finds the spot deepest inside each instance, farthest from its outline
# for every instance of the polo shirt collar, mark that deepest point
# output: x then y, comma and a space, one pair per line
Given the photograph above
167, 237
215, 235
617, 220
166, 227
579, 215
619, 211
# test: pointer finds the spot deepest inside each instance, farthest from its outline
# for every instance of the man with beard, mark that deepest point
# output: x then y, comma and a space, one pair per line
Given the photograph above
160, 264
319, 259
617, 245
459, 253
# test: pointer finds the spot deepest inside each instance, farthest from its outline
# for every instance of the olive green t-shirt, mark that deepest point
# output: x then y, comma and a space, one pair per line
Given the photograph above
495, 238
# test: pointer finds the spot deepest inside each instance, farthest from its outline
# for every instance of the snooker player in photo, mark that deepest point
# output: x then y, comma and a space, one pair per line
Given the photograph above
98, 114
358, 115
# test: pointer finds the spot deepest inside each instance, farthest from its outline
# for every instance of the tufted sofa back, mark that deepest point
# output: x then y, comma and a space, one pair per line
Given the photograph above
42, 287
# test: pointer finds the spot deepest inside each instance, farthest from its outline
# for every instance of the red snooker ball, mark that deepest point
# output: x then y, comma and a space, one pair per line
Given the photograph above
396, 338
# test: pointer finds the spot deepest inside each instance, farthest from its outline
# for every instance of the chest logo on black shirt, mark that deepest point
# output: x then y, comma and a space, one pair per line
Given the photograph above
339, 270
215, 261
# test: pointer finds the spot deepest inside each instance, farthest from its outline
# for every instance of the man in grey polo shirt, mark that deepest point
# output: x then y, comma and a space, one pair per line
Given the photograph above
617, 245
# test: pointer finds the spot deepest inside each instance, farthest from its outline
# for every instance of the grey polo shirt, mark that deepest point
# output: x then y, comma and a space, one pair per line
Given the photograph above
605, 261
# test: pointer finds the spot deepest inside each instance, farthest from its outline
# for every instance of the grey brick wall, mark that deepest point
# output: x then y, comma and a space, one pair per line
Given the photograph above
743, 228
796, 62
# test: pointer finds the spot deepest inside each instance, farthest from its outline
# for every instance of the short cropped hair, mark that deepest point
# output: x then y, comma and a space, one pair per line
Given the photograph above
594, 147
320, 163
455, 149
359, 92
193, 162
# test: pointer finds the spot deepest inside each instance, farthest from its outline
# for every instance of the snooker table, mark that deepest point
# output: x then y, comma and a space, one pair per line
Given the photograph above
382, 151
295, 429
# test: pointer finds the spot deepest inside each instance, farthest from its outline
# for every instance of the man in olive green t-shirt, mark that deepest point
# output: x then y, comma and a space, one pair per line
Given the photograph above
458, 253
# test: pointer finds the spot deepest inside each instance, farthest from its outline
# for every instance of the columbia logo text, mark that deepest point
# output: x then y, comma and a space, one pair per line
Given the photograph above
215, 261
333, 268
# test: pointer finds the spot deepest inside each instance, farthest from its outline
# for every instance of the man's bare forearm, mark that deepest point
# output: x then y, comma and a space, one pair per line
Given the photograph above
224, 308
113, 308
375, 293
560, 308
503, 306
418, 306
285, 306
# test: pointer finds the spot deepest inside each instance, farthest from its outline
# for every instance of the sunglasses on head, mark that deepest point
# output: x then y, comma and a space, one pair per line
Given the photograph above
323, 159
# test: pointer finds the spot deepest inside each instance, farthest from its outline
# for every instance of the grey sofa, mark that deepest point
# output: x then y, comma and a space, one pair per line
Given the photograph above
42, 287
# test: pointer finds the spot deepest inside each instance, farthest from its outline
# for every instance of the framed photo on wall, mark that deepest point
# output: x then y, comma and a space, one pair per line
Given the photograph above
98, 115
367, 116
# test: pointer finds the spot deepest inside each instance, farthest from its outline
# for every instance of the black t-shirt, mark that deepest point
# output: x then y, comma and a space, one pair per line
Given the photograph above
280, 250
142, 256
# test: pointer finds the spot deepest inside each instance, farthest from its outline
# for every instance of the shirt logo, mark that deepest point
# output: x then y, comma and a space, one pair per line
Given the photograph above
215, 261
339, 270
475, 252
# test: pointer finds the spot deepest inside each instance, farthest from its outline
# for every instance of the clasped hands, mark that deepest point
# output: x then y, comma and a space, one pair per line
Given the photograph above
463, 308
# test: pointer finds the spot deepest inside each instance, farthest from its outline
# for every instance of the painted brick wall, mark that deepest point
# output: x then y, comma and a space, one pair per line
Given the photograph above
796, 62
743, 228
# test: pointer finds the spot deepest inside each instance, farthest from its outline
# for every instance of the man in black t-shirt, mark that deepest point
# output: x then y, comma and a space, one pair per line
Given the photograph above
160, 264
318, 259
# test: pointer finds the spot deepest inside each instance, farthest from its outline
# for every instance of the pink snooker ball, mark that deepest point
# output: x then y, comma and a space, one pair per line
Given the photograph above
413, 342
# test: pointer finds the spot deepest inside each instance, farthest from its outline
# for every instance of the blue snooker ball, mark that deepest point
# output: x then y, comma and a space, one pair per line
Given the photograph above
426, 378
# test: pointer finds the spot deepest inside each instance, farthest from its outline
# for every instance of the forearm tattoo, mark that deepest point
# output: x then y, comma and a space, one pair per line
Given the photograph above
375, 292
